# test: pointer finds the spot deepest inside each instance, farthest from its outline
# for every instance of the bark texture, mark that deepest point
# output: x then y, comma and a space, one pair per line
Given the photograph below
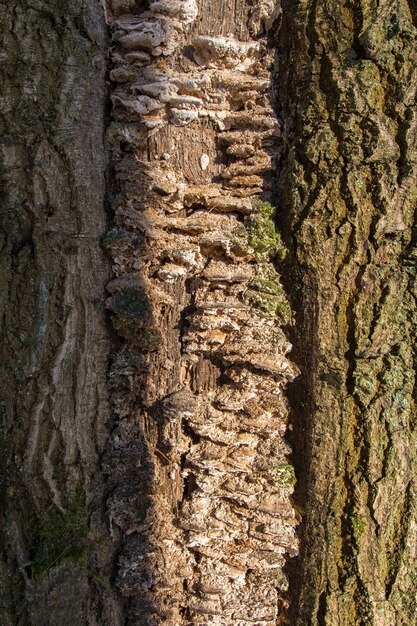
202, 481
348, 186
146, 474
56, 556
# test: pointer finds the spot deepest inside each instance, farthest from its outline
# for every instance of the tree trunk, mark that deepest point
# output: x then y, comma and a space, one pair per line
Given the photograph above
348, 80
148, 477
56, 552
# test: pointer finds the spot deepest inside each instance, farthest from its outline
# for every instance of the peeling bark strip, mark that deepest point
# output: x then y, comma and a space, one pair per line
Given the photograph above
202, 484
349, 188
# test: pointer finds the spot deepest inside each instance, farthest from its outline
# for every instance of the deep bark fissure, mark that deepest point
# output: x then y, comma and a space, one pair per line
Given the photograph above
194, 208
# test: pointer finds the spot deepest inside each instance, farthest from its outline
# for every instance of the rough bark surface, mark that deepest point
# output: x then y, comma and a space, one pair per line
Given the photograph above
146, 476
348, 188
202, 494
56, 555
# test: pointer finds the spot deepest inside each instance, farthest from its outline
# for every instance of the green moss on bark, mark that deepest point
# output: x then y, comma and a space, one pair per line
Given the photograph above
347, 191
61, 536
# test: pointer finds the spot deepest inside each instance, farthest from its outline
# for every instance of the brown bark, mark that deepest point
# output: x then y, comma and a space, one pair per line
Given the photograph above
56, 555
348, 185
198, 384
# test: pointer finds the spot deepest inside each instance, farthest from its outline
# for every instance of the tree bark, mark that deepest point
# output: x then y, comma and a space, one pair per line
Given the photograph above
56, 553
348, 195
148, 477
198, 396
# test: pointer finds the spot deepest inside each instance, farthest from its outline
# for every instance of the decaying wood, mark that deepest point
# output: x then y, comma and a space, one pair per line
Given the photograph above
200, 306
